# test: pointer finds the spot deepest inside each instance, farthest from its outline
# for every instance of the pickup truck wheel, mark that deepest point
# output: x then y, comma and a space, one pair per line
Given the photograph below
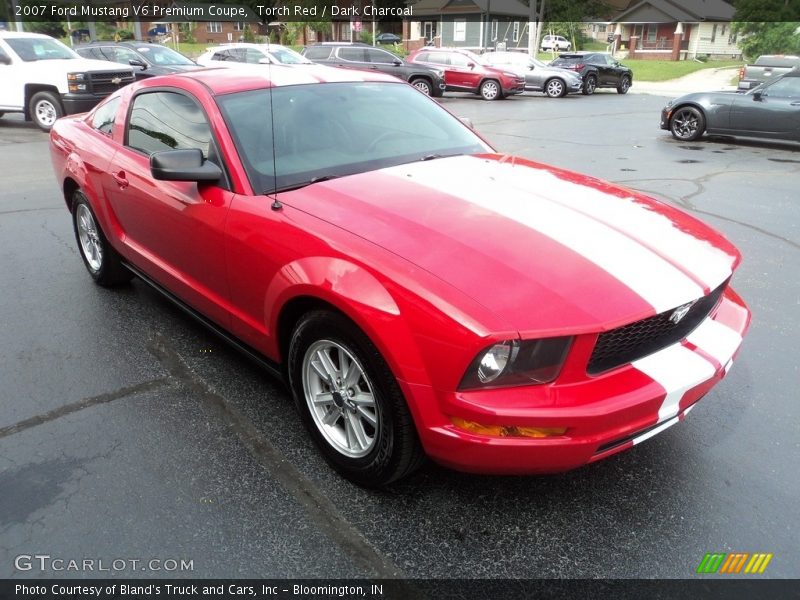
687, 124
490, 90
45, 108
350, 401
589, 85
423, 85
101, 260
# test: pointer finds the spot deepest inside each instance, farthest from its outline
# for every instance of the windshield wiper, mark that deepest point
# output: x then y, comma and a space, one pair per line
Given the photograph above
435, 156
297, 186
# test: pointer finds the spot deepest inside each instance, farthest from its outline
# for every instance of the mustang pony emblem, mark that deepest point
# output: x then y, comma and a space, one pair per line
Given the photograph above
680, 312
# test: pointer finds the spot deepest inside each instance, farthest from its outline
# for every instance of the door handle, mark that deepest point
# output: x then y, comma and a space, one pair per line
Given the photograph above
121, 180
795, 103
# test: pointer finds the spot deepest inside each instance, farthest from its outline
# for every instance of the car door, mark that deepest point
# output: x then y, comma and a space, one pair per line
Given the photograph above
352, 57
383, 61
12, 90
774, 112
464, 76
172, 230
605, 73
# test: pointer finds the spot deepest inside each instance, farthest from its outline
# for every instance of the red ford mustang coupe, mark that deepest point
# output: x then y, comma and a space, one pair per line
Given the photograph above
421, 294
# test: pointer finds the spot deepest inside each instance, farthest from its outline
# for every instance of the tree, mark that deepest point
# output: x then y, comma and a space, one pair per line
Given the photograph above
757, 38
766, 11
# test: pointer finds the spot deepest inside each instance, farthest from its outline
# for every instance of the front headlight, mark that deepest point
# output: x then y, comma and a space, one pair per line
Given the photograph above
76, 82
514, 362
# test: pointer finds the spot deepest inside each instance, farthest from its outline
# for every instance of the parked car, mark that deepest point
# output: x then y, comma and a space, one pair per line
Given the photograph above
228, 55
598, 70
539, 77
147, 60
360, 56
421, 293
465, 71
44, 79
388, 38
771, 110
555, 42
766, 67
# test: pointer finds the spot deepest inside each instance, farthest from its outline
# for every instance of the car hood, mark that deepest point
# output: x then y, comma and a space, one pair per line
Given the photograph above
75, 65
548, 251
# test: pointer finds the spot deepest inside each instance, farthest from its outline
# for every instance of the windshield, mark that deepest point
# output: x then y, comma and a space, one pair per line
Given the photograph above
287, 56
336, 129
32, 49
161, 55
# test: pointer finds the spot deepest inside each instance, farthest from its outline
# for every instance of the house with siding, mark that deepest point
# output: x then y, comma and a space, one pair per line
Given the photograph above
474, 24
676, 30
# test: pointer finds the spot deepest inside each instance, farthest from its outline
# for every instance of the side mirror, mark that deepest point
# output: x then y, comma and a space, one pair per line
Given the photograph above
471, 65
183, 165
757, 96
135, 62
5, 59
397, 62
467, 121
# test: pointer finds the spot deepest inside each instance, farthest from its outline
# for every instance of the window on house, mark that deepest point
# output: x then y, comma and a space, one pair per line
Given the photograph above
516, 31
239, 26
214, 27
732, 38
459, 30
714, 32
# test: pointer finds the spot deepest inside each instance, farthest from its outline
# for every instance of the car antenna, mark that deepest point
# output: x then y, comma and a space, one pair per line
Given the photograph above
276, 204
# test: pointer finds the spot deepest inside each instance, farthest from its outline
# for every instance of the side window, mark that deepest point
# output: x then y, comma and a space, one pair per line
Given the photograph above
352, 54
438, 58
380, 56
222, 55
252, 56
123, 55
317, 52
103, 119
458, 60
788, 87
167, 121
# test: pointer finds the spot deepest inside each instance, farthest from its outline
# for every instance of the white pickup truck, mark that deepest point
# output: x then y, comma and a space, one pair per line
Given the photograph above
44, 79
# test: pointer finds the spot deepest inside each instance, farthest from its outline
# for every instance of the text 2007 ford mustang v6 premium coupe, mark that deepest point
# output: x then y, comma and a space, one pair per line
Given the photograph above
420, 293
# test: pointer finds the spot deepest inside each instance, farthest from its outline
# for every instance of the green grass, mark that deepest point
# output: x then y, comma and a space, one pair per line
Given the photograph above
664, 70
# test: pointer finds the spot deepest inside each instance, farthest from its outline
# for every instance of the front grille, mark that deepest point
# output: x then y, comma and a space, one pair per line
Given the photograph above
631, 342
103, 85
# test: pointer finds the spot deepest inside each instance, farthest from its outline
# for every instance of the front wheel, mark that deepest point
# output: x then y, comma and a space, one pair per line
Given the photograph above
490, 90
350, 401
687, 124
45, 108
589, 85
555, 88
624, 85
422, 85
101, 260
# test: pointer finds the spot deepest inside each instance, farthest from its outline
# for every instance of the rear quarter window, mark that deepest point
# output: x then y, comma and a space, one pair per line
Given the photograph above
317, 53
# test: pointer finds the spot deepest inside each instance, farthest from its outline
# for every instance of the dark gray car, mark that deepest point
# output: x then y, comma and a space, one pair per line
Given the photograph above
148, 60
771, 110
361, 56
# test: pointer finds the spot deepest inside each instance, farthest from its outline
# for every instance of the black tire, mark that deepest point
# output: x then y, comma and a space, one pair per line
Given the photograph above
394, 450
44, 108
423, 85
555, 88
687, 123
491, 90
589, 84
624, 85
102, 261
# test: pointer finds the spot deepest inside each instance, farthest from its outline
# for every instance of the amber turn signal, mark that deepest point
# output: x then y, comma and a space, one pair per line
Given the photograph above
507, 430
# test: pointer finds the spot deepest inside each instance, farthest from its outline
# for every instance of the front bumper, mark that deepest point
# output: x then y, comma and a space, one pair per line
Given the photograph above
515, 87
79, 103
665, 115
603, 415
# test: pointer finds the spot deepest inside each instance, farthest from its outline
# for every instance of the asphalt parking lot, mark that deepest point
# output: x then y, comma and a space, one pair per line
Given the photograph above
129, 432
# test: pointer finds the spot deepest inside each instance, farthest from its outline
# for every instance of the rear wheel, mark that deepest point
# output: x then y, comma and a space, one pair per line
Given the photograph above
350, 401
624, 85
589, 85
423, 85
101, 260
687, 124
555, 88
44, 108
490, 90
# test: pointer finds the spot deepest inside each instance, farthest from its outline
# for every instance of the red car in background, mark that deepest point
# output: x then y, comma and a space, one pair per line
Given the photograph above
465, 71
419, 293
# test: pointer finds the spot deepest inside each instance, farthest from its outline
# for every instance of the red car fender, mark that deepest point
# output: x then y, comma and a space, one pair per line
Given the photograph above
356, 293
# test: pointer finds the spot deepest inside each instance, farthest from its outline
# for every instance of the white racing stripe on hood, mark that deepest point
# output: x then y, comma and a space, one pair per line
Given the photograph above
653, 278
709, 264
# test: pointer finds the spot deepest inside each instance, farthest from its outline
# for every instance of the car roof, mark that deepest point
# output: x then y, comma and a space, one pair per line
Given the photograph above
23, 34
251, 77
329, 44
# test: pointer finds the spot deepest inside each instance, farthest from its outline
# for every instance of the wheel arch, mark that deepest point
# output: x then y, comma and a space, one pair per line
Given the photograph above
339, 285
688, 103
